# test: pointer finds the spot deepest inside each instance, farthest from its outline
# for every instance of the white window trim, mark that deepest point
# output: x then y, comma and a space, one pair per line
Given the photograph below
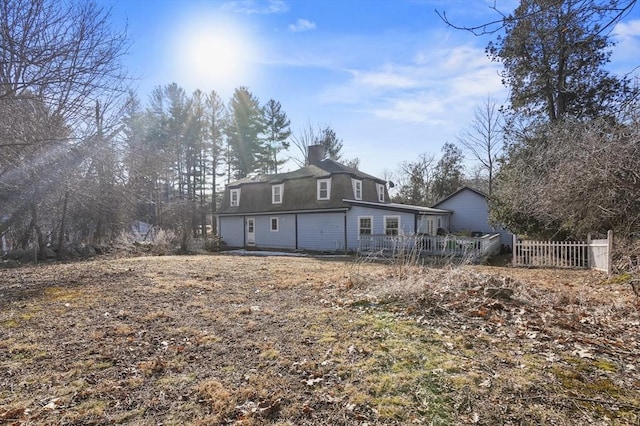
380, 190
273, 193
231, 192
277, 224
365, 217
328, 181
356, 183
392, 217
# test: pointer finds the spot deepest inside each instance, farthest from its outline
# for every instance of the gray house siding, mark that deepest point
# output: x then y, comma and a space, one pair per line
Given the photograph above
471, 213
321, 231
283, 238
231, 230
407, 222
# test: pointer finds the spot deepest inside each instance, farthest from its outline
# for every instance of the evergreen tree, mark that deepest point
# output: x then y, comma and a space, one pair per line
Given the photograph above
553, 53
278, 131
449, 172
332, 144
215, 112
415, 182
244, 131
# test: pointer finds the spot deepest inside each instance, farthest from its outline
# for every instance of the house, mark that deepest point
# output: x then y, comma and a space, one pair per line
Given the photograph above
470, 214
324, 206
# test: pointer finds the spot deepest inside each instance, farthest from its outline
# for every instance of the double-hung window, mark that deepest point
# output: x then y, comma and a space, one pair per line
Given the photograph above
391, 225
277, 193
365, 225
324, 189
275, 225
357, 189
380, 189
234, 197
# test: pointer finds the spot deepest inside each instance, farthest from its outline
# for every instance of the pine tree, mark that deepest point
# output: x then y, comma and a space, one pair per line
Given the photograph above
244, 131
278, 131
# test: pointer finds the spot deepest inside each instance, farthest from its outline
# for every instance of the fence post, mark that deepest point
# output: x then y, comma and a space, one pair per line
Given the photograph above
609, 252
513, 250
589, 260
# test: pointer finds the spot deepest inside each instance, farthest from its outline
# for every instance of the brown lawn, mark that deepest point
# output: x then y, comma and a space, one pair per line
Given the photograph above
239, 340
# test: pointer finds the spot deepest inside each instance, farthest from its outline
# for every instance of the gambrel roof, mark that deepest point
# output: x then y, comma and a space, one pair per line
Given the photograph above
324, 169
300, 189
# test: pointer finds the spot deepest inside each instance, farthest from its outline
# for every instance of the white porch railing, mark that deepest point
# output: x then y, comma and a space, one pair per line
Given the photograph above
449, 245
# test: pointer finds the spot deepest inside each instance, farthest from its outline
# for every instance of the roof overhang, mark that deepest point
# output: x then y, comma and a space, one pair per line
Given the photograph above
420, 210
280, 212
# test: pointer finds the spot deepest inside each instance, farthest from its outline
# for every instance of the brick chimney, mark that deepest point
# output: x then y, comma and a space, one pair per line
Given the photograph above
315, 154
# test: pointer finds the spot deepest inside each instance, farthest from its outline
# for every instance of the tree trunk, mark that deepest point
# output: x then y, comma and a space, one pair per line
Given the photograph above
62, 223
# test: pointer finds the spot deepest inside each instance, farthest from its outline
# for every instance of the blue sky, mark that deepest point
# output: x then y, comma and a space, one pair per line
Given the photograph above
388, 76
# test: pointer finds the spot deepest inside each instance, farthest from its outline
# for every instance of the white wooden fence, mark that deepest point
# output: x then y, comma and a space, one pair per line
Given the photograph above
450, 245
595, 254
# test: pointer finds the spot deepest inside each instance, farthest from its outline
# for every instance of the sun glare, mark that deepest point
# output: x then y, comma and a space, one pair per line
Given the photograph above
212, 55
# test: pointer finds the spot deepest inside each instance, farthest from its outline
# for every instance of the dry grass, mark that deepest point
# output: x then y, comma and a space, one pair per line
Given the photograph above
221, 339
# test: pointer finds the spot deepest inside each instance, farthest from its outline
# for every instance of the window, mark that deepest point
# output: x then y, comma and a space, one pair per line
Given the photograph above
365, 225
275, 224
357, 189
391, 225
276, 193
380, 189
235, 197
324, 189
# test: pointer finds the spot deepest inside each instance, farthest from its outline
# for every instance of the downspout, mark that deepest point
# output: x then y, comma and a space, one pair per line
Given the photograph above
346, 248
244, 232
296, 229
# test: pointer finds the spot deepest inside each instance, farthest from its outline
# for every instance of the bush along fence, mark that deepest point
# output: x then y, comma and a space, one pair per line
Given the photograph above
593, 254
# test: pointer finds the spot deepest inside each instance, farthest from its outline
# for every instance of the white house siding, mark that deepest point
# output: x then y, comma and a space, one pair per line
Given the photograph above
231, 230
284, 238
407, 222
321, 231
471, 213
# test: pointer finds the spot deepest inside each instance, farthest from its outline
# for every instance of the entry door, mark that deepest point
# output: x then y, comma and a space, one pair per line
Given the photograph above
251, 231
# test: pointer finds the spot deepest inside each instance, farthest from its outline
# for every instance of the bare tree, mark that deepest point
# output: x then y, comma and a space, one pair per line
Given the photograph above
324, 136
57, 60
577, 178
483, 138
617, 10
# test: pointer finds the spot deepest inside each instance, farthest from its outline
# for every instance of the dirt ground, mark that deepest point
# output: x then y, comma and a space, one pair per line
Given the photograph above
264, 340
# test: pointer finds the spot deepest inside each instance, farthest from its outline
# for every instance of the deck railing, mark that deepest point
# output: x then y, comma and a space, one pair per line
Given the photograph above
448, 245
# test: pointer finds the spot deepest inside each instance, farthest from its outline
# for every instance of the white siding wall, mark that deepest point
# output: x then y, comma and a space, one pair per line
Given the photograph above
471, 213
321, 231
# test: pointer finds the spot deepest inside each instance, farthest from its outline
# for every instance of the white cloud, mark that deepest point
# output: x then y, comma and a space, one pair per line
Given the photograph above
625, 52
429, 91
251, 7
626, 30
387, 78
302, 25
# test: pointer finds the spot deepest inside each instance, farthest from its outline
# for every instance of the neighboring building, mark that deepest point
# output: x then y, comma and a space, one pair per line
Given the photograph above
324, 206
470, 214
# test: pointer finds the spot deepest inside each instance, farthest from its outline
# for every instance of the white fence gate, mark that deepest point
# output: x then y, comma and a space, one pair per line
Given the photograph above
594, 254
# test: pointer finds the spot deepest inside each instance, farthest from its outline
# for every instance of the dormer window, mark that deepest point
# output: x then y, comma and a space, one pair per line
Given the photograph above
276, 193
324, 189
357, 189
380, 189
234, 195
